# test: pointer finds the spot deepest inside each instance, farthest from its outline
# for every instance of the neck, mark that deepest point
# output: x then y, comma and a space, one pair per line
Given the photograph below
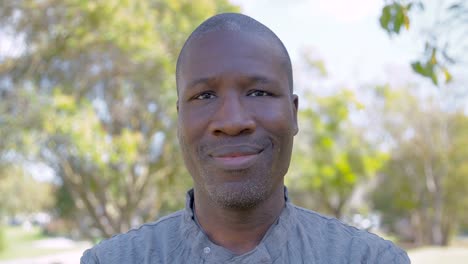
239, 230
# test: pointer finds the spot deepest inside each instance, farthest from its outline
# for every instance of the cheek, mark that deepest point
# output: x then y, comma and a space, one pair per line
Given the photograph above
187, 144
191, 126
277, 119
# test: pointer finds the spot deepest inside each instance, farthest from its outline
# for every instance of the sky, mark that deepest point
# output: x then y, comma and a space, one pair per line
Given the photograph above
345, 34
356, 51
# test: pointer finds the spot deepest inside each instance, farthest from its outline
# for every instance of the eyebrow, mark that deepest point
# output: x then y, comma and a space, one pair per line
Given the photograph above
201, 81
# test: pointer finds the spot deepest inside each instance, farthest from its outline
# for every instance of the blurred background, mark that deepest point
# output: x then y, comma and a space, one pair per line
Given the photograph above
88, 143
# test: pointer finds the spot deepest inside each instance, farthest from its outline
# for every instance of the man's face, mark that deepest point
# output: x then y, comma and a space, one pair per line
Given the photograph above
237, 117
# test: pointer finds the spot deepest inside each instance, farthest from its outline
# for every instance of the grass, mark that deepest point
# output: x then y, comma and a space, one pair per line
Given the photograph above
19, 243
456, 253
435, 255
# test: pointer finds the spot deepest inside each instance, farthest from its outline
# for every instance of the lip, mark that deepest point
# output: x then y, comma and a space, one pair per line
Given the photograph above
236, 162
235, 158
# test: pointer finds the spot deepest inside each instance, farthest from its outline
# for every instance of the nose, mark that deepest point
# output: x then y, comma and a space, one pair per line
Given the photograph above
232, 118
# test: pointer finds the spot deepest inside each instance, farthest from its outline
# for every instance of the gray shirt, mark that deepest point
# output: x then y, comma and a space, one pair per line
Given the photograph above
298, 236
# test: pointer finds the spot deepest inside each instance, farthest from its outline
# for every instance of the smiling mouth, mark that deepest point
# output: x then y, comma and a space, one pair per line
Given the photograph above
237, 162
231, 159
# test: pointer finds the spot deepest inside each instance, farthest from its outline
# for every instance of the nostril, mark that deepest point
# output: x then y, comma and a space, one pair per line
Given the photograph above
233, 128
232, 117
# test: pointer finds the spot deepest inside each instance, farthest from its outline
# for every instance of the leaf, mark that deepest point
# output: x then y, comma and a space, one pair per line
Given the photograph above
406, 20
425, 69
417, 67
393, 17
399, 19
433, 56
407, 23
448, 76
385, 18
434, 78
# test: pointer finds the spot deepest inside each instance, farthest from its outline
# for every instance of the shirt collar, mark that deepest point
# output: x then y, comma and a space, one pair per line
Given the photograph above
267, 250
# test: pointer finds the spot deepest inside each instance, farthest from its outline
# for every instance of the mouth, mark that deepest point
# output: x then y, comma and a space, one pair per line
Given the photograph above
236, 157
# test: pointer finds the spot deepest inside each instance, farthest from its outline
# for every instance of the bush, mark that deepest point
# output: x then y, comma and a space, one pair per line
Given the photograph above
2, 239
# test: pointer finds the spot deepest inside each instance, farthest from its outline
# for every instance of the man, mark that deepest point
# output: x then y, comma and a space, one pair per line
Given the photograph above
236, 124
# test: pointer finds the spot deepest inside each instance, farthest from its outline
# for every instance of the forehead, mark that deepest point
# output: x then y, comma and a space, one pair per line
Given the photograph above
218, 53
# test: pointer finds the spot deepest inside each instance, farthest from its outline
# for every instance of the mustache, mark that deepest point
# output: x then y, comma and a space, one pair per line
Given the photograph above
234, 146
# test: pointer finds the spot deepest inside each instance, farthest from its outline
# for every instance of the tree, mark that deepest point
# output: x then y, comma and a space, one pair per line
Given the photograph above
425, 179
445, 40
20, 193
331, 155
99, 76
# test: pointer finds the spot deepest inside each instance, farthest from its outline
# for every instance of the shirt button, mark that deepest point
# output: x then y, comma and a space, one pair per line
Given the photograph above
207, 250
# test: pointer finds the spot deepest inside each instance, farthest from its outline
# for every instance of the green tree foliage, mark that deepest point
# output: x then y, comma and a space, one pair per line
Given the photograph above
426, 179
445, 40
20, 193
331, 155
93, 90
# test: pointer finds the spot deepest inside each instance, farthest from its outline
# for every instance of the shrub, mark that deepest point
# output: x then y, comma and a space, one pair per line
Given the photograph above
2, 239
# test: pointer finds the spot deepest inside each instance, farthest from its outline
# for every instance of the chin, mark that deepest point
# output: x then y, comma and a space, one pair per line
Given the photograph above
239, 195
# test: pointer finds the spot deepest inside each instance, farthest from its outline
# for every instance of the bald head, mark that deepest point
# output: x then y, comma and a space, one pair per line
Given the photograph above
233, 22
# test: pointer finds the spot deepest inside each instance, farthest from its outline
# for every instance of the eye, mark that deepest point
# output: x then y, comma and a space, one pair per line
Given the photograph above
204, 96
258, 93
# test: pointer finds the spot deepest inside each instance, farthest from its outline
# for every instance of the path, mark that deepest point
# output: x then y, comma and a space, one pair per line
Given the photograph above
434, 255
69, 257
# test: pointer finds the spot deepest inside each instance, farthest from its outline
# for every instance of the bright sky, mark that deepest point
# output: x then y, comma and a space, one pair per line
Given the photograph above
345, 34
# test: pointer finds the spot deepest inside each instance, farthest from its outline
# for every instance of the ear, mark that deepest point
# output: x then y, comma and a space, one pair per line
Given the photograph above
295, 100
177, 105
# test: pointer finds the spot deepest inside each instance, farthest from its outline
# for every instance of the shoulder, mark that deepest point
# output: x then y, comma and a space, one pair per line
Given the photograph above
331, 226
345, 240
134, 245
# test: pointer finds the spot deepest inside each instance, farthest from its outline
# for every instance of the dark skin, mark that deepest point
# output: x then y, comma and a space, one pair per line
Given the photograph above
237, 119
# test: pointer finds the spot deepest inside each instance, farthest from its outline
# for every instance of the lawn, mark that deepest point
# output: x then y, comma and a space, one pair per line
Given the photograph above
19, 243
435, 255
